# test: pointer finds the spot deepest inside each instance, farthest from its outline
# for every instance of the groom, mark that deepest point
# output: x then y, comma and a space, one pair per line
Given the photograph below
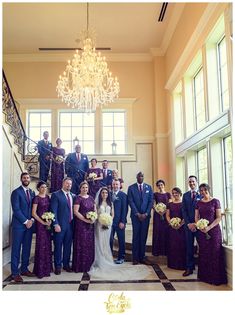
120, 204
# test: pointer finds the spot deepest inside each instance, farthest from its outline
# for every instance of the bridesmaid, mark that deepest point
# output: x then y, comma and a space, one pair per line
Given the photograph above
160, 226
57, 167
94, 184
43, 249
211, 266
176, 250
84, 237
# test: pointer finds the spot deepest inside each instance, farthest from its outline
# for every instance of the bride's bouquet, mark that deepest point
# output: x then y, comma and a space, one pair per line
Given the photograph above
105, 220
160, 208
202, 224
48, 216
91, 215
175, 222
92, 176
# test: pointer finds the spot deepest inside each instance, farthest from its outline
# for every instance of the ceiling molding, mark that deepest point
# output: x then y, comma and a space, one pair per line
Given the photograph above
63, 57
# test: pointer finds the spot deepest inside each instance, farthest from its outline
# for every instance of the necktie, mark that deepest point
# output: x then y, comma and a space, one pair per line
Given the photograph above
69, 204
140, 188
193, 195
78, 157
105, 173
28, 195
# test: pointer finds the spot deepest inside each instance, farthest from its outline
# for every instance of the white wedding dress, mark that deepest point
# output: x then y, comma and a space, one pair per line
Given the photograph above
103, 266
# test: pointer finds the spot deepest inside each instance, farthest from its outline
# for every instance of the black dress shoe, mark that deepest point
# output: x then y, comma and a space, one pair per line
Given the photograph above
17, 279
135, 262
145, 261
68, 269
187, 272
27, 274
57, 271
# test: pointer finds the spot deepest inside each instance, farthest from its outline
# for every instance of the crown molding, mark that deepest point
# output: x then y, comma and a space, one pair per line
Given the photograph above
63, 57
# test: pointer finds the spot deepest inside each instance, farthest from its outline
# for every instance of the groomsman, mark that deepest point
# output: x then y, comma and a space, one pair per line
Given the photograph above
140, 198
76, 165
44, 150
188, 211
22, 222
107, 174
62, 207
120, 204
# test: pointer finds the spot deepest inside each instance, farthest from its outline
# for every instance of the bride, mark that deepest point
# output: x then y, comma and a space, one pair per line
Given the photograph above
103, 266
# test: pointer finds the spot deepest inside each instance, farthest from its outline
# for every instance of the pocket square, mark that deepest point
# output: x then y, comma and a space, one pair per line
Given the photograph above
147, 191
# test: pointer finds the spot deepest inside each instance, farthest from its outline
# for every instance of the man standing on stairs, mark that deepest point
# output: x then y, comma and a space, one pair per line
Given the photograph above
140, 198
45, 151
120, 204
22, 222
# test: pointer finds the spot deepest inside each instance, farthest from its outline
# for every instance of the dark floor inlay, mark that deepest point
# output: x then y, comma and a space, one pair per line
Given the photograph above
83, 287
45, 282
125, 281
168, 286
85, 277
159, 272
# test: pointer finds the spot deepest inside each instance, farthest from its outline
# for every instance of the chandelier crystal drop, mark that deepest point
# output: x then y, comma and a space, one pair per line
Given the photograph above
87, 82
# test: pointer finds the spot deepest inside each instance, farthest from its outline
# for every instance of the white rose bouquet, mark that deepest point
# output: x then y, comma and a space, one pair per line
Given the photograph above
160, 208
175, 222
48, 216
202, 224
59, 159
91, 215
92, 176
105, 220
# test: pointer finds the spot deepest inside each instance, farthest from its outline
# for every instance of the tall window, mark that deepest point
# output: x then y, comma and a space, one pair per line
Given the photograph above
223, 74
227, 143
80, 125
202, 166
37, 123
198, 89
178, 118
114, 135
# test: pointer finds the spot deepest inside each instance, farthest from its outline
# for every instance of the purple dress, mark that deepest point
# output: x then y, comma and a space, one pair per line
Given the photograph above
211, 266
160, 227
43, 250
84, 237
176, 250
95, 185
57, 170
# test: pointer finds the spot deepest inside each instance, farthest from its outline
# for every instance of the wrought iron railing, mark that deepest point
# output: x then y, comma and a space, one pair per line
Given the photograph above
12, 117
227, 227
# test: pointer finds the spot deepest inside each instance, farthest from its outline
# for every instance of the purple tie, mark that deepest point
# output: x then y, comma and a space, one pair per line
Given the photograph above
69, 204
28, 195
193, 195
141, 190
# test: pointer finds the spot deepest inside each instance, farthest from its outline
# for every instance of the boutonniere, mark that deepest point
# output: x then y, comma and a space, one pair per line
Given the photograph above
198, 197
147, 191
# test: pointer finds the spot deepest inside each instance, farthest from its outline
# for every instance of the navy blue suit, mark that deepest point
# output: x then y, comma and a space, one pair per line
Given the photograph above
21, 236
107, 180
76, 169
140, 203
120, 204
44, 150
60, 207
188, 212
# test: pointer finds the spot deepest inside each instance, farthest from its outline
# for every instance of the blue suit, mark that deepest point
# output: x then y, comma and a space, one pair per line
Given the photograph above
60, 207
76, 169
120, 204
21, 236
44, 150
140, 203
188, 212
107, 180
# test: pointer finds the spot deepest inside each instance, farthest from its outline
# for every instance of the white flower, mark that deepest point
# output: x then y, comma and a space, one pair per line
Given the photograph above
175, 222
202, 224
92, 215
48, 216
105, 219
160, 207
92, 175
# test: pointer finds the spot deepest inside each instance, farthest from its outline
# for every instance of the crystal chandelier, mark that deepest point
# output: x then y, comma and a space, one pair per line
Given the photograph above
87, 82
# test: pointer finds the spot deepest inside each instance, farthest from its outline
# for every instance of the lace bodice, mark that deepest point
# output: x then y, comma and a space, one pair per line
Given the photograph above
104, 209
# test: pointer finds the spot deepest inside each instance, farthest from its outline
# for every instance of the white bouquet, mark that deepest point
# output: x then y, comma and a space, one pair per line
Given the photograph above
175, 222
202, 224
92, 176
48, 216
59, 159
105, 220
160, 208
91, 215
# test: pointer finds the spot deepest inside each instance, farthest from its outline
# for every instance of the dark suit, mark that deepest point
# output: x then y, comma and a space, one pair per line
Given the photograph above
188, 211
120, 204
63, 239
21, 236
107, 180
44, 150
76, 169
140, 203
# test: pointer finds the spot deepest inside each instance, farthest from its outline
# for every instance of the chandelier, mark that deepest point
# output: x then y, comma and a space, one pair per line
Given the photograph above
87, 82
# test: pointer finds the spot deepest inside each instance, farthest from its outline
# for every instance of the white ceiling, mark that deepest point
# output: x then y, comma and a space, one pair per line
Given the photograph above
125, 27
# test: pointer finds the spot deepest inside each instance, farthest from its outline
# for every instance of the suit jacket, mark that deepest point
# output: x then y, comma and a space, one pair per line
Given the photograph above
120, 204
188, 207
60, 207
138, 203
107, 181
44, 149
75, 168
22, 210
